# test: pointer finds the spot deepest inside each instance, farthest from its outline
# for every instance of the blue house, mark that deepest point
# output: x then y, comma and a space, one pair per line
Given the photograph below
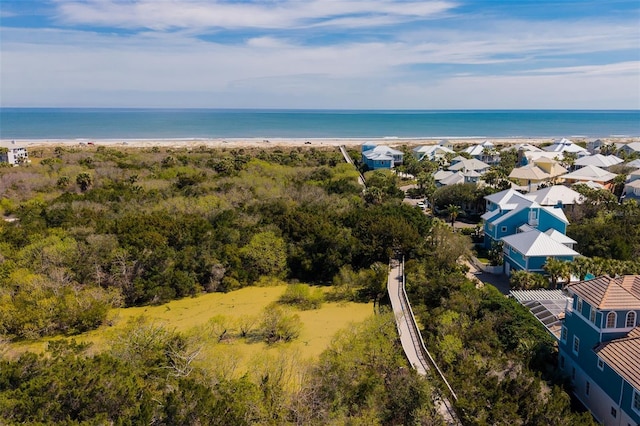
381, 157
529, 249
530, 232
508, 210
599, 347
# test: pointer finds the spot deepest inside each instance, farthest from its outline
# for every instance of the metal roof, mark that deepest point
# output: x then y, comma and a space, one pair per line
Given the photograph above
559, 236
536, 243
550, 195
548, 306
591, 173
472, 164
598, 160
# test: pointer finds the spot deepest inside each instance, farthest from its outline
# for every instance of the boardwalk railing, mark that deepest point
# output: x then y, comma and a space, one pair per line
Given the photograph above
348, 159
423, 353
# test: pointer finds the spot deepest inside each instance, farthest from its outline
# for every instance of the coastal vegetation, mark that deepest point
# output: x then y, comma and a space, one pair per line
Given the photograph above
96, 230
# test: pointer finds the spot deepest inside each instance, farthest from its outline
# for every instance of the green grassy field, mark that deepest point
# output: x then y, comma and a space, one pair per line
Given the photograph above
192, 316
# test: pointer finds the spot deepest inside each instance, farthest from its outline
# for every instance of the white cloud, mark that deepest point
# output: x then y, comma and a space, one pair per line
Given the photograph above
286, 14
525, 65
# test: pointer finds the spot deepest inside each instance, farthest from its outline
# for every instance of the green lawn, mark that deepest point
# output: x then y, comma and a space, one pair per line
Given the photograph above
191, 316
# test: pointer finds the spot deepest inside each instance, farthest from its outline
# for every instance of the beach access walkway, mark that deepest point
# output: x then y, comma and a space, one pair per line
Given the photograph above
347, 158
412, 343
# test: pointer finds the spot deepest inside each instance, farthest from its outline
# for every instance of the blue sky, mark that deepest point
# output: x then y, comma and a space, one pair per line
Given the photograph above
363, 54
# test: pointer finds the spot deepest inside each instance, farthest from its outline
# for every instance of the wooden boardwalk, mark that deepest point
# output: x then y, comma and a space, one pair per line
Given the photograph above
412, 342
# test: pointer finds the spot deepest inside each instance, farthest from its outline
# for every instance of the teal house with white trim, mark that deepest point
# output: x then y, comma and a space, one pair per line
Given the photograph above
381, 157
508, 210
599, 347
530, 232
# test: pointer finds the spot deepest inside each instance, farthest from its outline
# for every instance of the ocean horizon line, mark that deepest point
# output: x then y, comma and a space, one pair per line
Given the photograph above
119, 123
293, 110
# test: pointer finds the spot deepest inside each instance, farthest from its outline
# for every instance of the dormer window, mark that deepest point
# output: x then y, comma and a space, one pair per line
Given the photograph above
611, 320
631, 319
579, 305
592, 316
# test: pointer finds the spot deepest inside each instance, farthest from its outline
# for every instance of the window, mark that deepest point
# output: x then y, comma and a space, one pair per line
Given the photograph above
631, 319
587, 389
563, 335
600, 364
579, 305
576, 345
592, 315
611, 320
614, 412
635, 404
503, 229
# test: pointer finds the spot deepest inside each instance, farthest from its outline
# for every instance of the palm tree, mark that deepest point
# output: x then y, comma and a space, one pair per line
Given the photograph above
580, 267
84, 180
63, 181
556, 269
374, 195
453, 211
618, 184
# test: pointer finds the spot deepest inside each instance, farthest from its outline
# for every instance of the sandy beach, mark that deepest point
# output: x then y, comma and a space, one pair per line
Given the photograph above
281, 142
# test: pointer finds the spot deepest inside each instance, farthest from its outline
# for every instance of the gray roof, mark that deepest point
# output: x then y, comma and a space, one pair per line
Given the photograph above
453, 179
559, 236
471, 164
381, 152
536, 244
591, 173
564, 145
550, 195
508, 197
598, 160
634, 163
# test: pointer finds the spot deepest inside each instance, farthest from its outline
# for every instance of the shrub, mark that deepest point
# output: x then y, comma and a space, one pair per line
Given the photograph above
278, 326
302, 296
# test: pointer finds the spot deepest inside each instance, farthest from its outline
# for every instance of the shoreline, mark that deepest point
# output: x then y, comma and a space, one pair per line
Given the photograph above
291, 142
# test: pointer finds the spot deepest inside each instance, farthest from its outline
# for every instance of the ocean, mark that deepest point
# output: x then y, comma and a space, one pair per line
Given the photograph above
80, 123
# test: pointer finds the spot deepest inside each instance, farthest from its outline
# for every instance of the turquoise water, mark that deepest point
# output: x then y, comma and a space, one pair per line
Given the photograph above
56, 123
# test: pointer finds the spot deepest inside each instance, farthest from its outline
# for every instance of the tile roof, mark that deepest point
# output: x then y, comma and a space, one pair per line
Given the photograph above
622, 356
605, 292
536, 243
